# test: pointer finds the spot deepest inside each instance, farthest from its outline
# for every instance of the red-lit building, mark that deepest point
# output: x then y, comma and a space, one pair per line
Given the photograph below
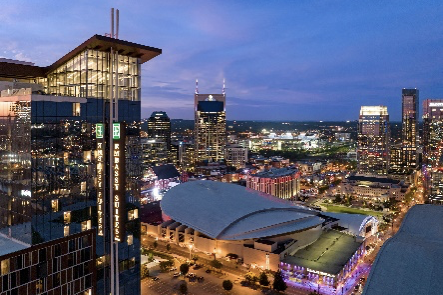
283, 183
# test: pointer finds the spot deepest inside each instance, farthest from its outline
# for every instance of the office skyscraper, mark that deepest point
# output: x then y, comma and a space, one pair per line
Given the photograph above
373, 140
159, 128
55, 150
409, 128
210, 126
432, 148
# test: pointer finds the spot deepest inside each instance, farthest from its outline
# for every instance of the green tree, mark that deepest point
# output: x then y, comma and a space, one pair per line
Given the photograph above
168, 247
165, 265
227, 285
184, 268
279, 283
249, 276
155, 244
183, 288
144, 271
150, 257
216, 264
263, 280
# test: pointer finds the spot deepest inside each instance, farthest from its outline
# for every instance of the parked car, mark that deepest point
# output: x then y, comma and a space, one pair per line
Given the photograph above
155, 278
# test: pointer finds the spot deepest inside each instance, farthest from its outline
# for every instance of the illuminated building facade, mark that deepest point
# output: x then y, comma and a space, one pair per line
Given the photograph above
159, 128
373, 140
54, 150
432, 148
210, 127
236, 155
282, 183
409, 128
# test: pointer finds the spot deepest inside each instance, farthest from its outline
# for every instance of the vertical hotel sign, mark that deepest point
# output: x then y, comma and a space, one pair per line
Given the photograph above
99, 132
119, 181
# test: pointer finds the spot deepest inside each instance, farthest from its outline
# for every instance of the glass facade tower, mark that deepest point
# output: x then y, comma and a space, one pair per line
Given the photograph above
373, 140
52, 158
210, 127
432, 148
409, 128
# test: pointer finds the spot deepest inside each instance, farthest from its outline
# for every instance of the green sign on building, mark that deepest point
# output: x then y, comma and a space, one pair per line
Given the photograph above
116, 130
99, 130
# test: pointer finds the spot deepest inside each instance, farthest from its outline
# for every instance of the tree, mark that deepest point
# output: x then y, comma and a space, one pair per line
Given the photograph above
145, 271
184, 268
216, 264
249, 276
227, 285
183, 287
279, 283
155, 244
195, 258
263, 280
168, 247
165, 265
150, 257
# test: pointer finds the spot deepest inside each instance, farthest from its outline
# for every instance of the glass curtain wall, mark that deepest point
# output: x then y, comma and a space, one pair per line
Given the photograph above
87, 75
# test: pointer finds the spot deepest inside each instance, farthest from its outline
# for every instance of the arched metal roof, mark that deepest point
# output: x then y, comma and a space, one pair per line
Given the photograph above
232, 212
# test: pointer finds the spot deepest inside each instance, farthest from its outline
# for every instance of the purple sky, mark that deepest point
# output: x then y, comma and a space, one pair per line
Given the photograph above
282, 60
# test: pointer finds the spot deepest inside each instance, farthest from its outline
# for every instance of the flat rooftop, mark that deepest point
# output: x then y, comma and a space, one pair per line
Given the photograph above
8, 245
275, 173
329, 253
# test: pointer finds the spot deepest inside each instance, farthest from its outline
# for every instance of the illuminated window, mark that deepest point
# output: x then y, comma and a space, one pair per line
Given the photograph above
76, 109
5, 267
130, 240
132, 214
86, 225
67, 217
54, 205
66, 230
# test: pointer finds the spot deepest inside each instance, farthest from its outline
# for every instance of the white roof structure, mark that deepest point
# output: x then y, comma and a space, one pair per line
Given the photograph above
410, 263
355, 223
232, 212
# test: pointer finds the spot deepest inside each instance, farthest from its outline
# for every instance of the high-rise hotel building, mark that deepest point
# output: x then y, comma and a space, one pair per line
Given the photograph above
373, 140
55, 176
210, 126
409, 128
433, 148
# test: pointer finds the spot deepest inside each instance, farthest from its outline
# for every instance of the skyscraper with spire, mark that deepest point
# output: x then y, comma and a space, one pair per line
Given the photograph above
209, 125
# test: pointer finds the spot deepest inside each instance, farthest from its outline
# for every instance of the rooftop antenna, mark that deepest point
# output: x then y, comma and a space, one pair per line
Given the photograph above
196, 86
117, 24
224, 87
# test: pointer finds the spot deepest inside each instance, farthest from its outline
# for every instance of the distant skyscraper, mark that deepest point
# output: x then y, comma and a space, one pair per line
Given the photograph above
210, 126
373, 140
432, 147
409, 128
159, 128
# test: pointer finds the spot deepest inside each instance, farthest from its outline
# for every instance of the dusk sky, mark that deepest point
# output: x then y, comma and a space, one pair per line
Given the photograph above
282, 60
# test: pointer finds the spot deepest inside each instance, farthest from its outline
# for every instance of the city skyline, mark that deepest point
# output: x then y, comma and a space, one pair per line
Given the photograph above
341, 56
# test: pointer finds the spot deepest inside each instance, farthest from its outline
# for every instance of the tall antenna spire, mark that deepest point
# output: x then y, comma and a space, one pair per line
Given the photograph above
196, 86
224, 87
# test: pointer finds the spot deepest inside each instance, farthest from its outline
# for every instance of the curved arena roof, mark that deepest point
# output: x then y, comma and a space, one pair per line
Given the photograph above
232, 212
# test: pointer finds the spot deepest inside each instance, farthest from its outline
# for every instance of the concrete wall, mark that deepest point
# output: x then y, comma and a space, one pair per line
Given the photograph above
305, 238
258, 257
